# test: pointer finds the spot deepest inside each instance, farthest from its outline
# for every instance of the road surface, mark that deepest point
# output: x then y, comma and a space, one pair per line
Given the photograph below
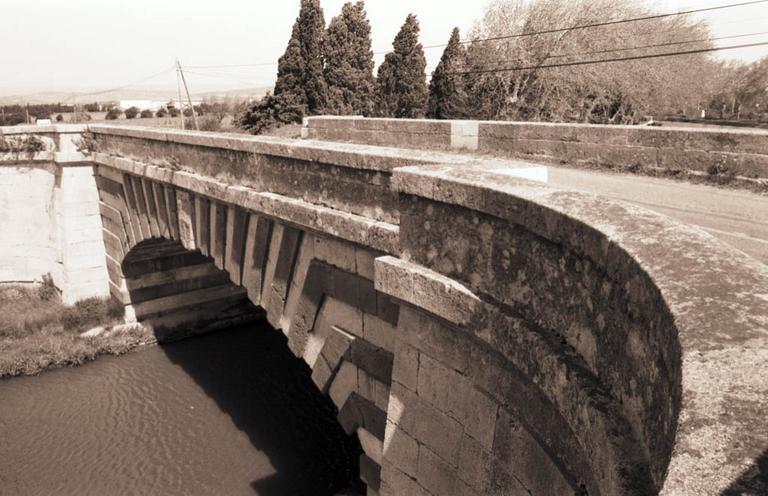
737, 217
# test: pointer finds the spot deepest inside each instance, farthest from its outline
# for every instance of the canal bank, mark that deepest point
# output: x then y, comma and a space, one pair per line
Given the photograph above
232, 412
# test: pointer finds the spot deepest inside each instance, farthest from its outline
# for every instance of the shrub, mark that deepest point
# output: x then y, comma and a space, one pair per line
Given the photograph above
48, 290
174, 112
115, 309
270, 112
90, 312
187, 112
59, 118
113, 114
131, 112
145, 114
161, 113
209, 123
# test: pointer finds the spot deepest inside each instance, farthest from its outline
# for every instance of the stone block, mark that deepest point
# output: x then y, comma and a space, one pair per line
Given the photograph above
158, 196
150, 206
535, 471
400, 449
335, 252
203, 225
425, 423
364, 262
464, 134
379, 332
453, 394
434, 338
295, 294
381, 393
474, 464
372, 446
336, 345
434, 474
344, 316
254, 260
359, 412
405, 368
370, 473
185, 210
376, 361
396, 483
366, 385
172, 208
344, 384
321, 374
218, 233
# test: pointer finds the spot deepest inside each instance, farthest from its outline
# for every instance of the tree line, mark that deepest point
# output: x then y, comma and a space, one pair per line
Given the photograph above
498, 74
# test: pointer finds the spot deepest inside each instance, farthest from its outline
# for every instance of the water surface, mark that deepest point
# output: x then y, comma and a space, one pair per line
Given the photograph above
227, 413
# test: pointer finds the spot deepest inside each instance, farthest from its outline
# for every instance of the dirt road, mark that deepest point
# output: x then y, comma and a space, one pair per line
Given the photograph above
737, 217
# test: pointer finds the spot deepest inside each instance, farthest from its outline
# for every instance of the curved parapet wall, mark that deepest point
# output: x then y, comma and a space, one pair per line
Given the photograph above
480, 333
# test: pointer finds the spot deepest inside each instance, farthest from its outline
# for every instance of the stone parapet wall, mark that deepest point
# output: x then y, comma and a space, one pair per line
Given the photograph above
718, 154
480, 333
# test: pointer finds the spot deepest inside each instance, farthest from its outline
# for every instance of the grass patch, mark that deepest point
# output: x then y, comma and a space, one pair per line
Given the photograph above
38, 332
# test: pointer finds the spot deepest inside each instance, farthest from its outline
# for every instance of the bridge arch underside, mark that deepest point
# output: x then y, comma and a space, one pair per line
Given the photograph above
499, 344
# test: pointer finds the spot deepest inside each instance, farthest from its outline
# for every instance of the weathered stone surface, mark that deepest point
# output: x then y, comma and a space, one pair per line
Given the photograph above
636, 147
401, 450
559, 341
430, 426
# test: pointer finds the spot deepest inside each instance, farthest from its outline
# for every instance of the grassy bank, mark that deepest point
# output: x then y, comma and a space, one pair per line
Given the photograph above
38, 332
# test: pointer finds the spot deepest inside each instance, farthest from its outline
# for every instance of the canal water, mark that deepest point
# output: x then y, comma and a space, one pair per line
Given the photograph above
232, 412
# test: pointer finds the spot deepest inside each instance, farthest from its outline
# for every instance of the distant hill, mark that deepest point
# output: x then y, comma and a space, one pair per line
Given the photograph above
126, 94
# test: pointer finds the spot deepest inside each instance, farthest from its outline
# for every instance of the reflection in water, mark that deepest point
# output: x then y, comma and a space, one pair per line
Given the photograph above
228, 413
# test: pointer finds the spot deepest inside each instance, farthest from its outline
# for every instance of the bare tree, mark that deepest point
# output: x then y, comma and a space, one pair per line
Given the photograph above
616, 92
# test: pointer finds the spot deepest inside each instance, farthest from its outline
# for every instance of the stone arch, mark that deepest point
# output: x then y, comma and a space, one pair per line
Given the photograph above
166, 245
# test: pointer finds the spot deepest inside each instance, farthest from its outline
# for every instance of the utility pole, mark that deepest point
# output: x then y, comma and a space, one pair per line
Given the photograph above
26, 108
178, 85
189, 98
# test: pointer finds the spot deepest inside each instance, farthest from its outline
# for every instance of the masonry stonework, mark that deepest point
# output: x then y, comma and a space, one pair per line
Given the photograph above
740, 155
479, 333
49, 216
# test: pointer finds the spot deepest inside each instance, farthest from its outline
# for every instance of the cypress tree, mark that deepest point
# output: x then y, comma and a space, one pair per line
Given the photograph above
447, 93
402, 81
290, 71
349, 62
300, 69
300, 87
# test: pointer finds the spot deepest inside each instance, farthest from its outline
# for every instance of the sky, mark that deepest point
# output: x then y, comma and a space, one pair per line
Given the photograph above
99, 44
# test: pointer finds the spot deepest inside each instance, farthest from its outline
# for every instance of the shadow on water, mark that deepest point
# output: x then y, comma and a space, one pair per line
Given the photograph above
268, 393
754, 480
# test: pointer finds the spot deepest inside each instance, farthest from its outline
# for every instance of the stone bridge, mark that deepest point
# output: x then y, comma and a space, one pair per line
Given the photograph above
479, 332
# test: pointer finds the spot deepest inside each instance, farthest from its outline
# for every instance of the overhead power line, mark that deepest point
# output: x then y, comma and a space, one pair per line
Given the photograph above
521, 35
604, 61
133, 83
604, 23
657, 45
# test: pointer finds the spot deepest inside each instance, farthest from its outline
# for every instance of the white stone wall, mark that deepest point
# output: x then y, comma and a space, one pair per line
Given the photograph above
49, 216
28, 223
81, 239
